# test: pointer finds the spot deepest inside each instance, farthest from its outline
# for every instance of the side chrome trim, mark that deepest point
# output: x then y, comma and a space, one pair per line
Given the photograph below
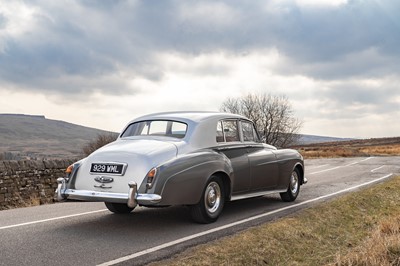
255, 194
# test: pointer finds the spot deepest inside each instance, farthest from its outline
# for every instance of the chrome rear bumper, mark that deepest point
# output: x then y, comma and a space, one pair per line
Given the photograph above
132, 198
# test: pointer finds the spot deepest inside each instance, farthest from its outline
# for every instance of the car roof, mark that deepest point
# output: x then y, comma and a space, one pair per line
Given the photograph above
201, 131
192, 116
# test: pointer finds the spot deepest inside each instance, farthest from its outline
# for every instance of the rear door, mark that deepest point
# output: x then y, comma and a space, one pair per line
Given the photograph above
228, 138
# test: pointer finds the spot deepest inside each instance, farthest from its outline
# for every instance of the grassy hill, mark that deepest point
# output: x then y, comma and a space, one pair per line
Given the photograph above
310, 139
28, 136
352, 148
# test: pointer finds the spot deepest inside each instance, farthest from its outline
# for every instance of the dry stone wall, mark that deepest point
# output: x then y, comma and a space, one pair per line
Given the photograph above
29, 182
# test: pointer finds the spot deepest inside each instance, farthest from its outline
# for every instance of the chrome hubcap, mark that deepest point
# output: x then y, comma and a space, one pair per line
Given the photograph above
294, 183
212, 197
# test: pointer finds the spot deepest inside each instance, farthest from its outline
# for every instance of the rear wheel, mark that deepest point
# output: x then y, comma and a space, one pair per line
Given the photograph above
119, 208
211, 203
293, 188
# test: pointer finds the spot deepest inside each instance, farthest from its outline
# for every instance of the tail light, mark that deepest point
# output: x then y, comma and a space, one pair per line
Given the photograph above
151, 178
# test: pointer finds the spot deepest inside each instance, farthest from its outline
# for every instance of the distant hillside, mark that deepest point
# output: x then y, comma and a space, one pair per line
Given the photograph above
29, 136
352, 148
309, 139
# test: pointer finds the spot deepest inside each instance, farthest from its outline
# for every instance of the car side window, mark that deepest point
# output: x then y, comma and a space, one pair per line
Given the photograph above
178, 130
230, 128
220, 133
248, 131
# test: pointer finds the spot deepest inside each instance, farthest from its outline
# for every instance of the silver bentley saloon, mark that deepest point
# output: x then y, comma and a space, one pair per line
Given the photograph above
197, 159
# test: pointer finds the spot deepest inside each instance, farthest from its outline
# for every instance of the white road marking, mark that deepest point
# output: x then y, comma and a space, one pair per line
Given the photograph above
315, 167
326, 170
51, 219
369, 158
376, 169
184, 239
337, 167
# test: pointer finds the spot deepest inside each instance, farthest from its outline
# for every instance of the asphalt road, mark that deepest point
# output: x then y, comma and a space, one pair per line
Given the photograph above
88, 234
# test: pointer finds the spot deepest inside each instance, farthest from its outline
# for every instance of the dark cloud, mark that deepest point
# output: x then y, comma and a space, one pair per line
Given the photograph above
89, 40
70, 46
351, 99
358, 39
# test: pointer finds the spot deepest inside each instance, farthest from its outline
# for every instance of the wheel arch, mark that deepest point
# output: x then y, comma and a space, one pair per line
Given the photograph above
299, 167
227, 183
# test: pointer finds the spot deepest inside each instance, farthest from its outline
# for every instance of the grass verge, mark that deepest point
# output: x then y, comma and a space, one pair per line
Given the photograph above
361, 228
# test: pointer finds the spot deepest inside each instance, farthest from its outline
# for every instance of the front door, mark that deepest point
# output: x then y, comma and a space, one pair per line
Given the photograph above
264, 170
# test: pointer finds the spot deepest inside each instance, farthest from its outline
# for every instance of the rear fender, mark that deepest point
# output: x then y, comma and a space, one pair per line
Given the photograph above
181, 181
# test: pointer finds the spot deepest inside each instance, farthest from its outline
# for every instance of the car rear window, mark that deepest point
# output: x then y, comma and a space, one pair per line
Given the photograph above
163, 128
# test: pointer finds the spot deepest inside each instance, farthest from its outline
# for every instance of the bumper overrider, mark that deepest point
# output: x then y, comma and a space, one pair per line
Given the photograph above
132, 198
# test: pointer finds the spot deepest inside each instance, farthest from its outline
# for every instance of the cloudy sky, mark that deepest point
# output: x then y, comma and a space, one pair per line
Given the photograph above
103, 63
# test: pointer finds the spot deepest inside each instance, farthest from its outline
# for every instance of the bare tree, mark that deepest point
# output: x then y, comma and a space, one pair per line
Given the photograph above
272, 115
100, 141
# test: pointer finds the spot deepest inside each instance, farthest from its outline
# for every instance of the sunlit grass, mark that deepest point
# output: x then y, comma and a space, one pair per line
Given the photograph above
382, 247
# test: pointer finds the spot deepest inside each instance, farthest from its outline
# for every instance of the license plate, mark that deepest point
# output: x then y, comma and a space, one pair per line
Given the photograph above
107, 168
